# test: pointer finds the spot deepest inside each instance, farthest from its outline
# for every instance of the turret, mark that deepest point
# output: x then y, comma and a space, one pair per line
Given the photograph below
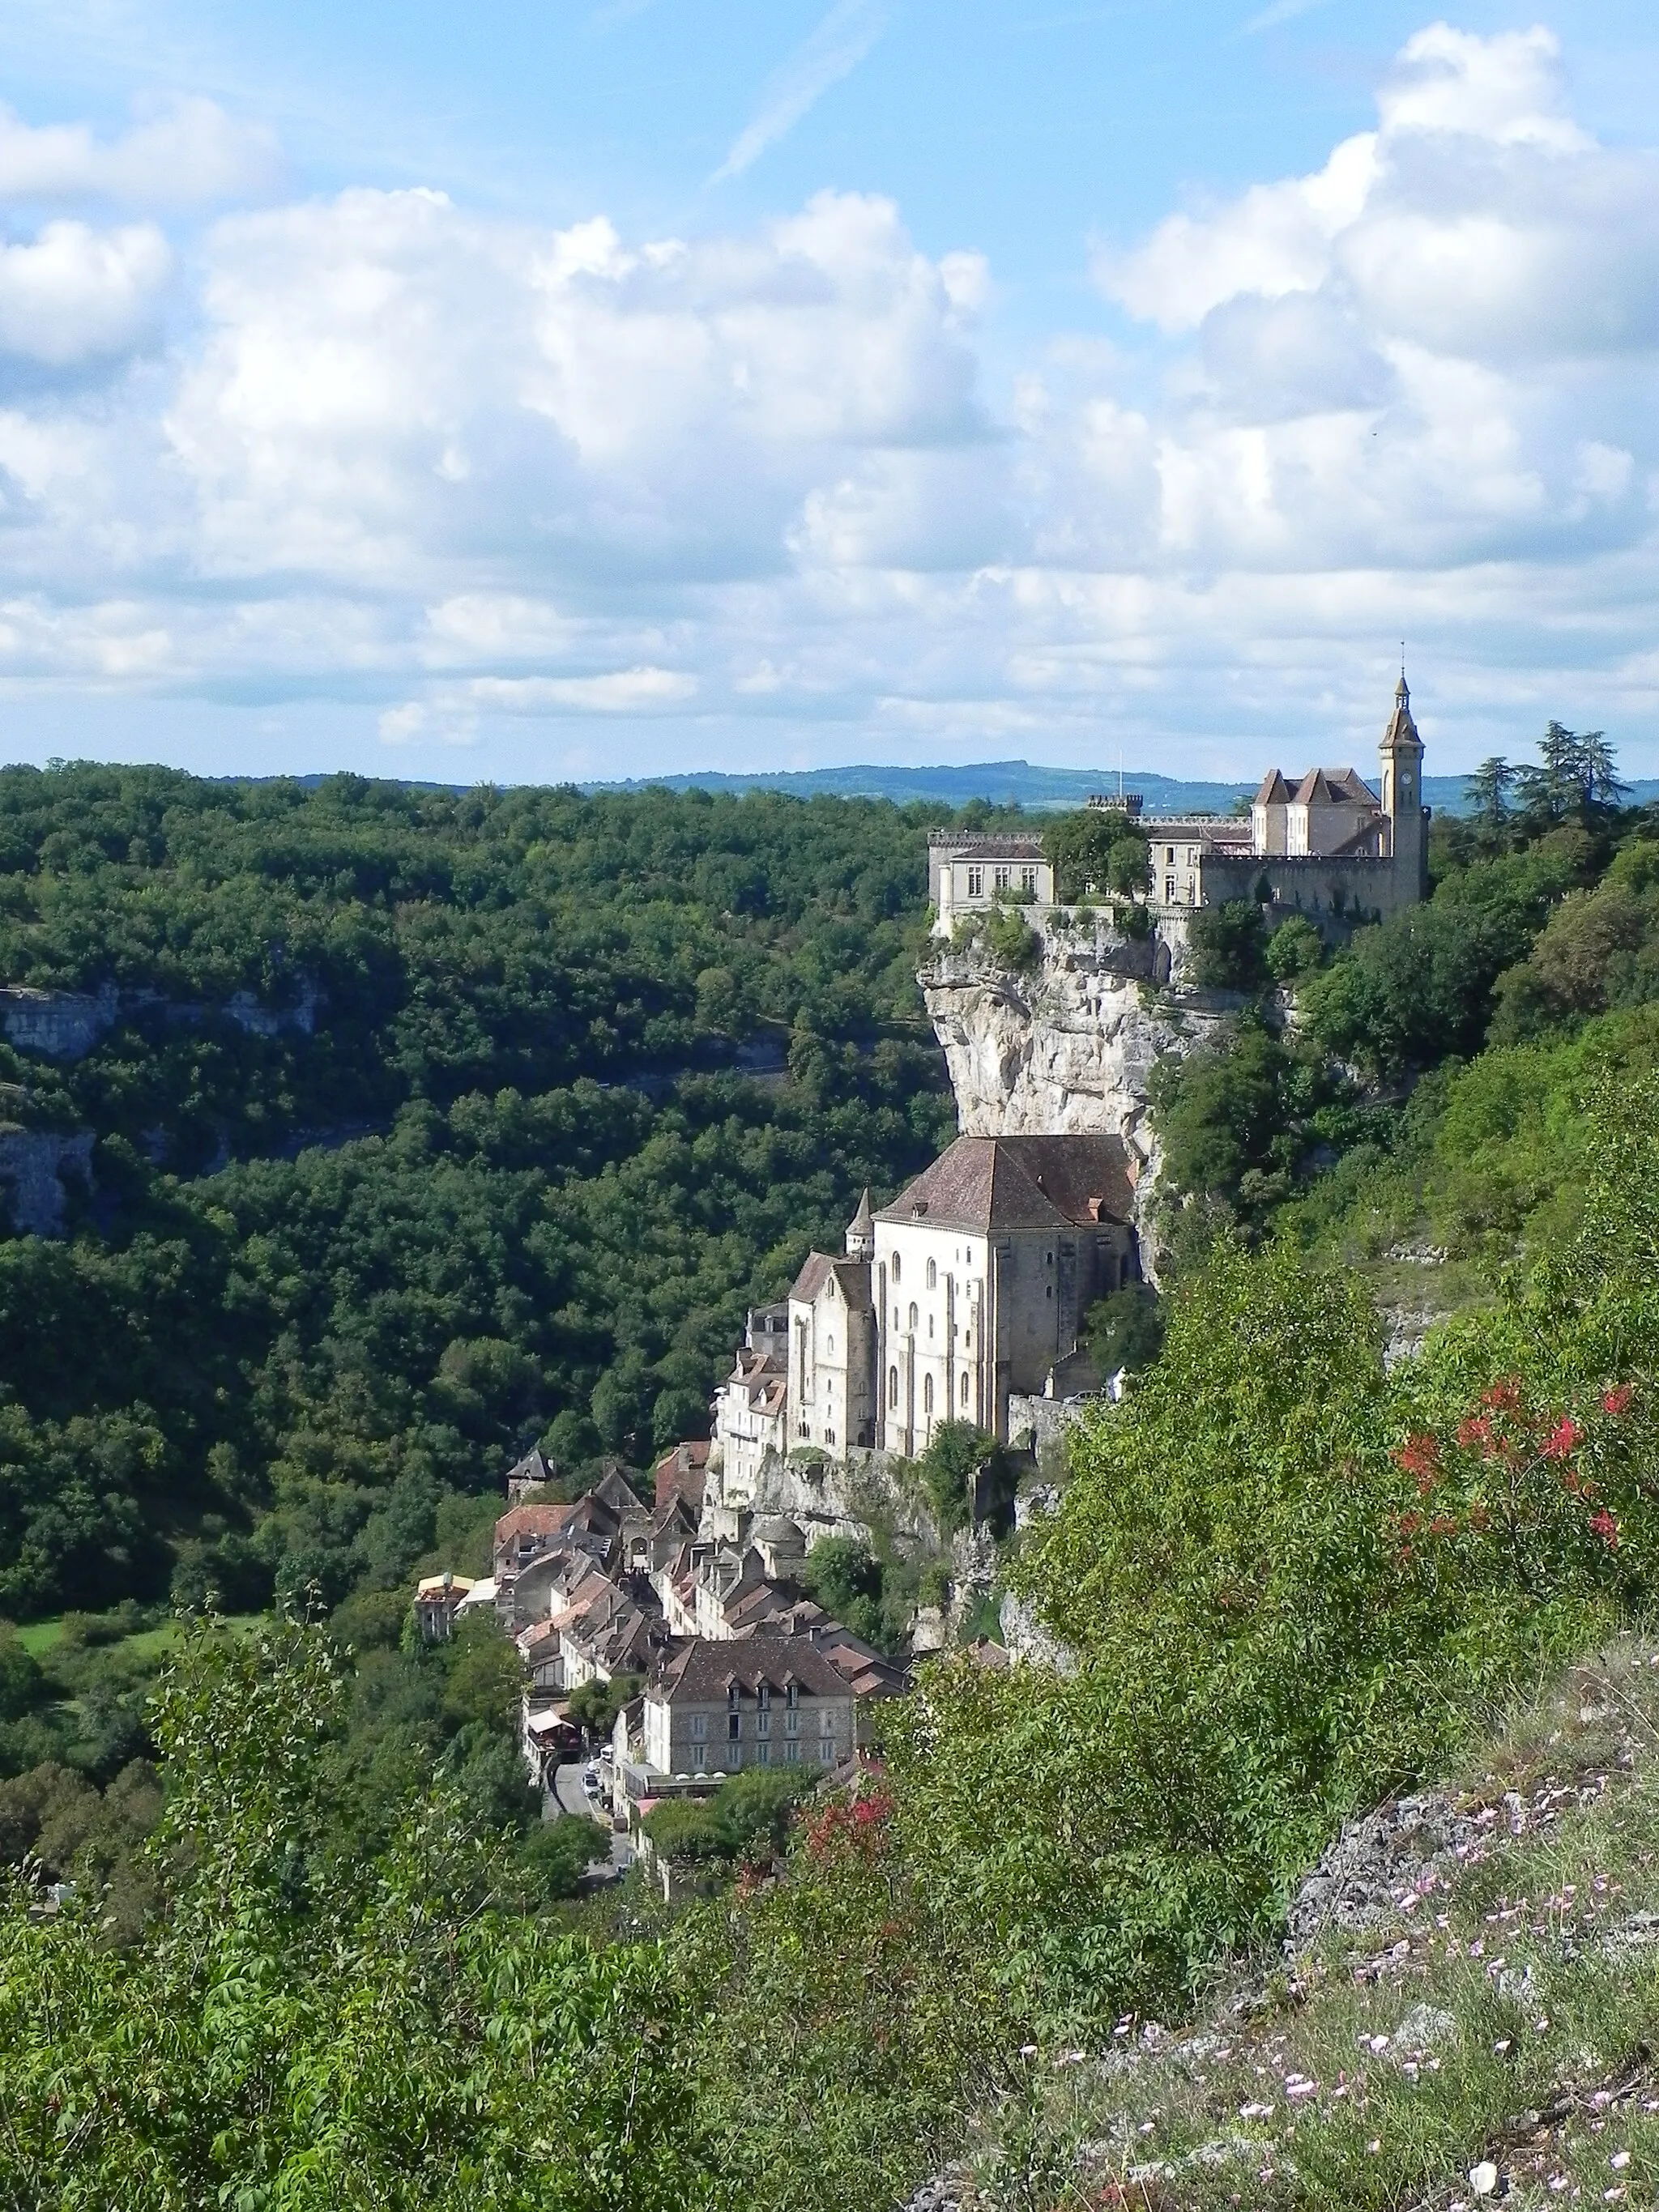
1402, 793
861, 1231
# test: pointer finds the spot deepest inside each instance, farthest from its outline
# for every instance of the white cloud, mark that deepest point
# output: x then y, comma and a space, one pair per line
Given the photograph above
832, 51
188, 153
736, 496
78, 294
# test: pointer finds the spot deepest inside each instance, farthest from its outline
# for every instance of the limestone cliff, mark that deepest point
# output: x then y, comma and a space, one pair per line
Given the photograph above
1067, 1046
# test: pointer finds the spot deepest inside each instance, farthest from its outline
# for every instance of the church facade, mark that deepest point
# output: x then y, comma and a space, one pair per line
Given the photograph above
971, 1286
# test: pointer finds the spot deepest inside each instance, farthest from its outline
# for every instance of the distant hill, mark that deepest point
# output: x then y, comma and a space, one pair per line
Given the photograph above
1017, 783
1002, 783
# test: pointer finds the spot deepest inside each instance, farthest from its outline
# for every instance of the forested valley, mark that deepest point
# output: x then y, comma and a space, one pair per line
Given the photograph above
1292, 1573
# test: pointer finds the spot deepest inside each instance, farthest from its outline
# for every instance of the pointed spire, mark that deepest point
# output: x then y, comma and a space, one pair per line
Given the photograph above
861, 1231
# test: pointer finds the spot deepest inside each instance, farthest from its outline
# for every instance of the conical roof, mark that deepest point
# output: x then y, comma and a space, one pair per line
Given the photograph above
861, 1229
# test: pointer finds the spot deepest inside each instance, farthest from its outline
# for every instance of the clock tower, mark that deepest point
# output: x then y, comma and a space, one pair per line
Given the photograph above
1402, 793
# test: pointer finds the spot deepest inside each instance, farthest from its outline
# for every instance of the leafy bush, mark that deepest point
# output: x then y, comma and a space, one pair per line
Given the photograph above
1010, 940
327, 2034
1227, 945
1295, 949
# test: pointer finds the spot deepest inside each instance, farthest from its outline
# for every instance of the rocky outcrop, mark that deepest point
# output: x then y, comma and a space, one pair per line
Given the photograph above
32, 1166
1067, 1047
67, 1024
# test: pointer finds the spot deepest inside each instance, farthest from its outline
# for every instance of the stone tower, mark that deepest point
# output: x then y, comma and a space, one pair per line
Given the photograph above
861, 1231
1402, 793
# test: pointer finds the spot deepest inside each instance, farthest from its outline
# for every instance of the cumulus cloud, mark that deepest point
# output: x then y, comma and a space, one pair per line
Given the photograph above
187, 153
706, 494
75, 294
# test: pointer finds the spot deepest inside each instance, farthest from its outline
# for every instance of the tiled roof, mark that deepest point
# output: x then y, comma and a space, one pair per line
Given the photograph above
852, 1275
1274, 791
533, 1520
701, 1670
985, 1183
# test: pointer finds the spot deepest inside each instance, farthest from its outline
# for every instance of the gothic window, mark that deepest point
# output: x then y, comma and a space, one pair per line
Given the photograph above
927, 1394
830, 1347
932, 1275
892, 1383
965, 1390
896, 1266
913, 1316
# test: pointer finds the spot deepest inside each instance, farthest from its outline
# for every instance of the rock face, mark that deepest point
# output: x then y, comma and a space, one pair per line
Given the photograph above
1067, 1047
32, 1164
67, 1024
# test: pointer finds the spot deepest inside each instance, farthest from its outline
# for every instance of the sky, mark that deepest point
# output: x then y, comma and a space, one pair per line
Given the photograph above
600, 388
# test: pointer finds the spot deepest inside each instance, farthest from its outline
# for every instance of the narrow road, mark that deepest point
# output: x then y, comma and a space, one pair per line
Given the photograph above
567, 1796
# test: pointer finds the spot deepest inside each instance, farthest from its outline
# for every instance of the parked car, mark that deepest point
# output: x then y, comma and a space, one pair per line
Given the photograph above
591, 1779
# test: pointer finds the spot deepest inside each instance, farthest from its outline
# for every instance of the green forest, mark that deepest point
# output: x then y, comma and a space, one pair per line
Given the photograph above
1386, 1464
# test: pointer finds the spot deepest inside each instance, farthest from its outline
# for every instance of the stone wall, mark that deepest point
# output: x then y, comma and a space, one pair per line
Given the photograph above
1340, 892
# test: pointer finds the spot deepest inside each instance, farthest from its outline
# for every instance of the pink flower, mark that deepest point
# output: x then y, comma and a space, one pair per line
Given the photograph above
1617, 1400
1504, 1397
1419, 1455
1606, 1528
1562, 1440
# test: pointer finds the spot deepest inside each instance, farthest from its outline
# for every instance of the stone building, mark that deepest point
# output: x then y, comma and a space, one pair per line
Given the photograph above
751, 1407
971, 1286
983, 1270
831, 1379
757, 1701
969, 871
1325, 844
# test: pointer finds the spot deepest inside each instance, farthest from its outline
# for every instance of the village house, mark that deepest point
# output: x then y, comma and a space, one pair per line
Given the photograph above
751, 1406
437, 1599
680, 1472
757, 1701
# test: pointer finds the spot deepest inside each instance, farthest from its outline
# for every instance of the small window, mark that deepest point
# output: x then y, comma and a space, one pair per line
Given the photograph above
762, 1755
699, 1757
930, 1325
1169, 890
895, 1318
792, 1755
699, 1728
927, 1394
764, 1697
734, 1726
762, 1724
964, 1390
1028, 880
732, 1696
913, 1315
826, 1721
830, 1347
1001, 878
932, 1275
975, 883
892, 1383
896, 1266
792, 1696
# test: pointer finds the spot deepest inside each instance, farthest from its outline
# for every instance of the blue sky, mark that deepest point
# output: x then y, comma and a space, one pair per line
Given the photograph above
635, 384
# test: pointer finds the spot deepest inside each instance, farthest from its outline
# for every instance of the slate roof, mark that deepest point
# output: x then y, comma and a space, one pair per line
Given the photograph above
985, 1183
852, 1275
703, 1669
1274, 791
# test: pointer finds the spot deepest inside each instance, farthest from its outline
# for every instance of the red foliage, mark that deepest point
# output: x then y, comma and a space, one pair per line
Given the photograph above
1564, 1439
1504, 1397
1617, 1400
1419, 1455
1606, 1528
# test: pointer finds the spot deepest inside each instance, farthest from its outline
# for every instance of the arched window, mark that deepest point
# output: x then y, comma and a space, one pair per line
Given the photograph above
892, 1386
930, 1325
932, 1275
913, 1313
964, 1390
896, 1266
830, 1347
927, 1394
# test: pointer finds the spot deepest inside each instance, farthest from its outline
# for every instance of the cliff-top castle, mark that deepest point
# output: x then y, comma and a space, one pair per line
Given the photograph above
1327, 845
